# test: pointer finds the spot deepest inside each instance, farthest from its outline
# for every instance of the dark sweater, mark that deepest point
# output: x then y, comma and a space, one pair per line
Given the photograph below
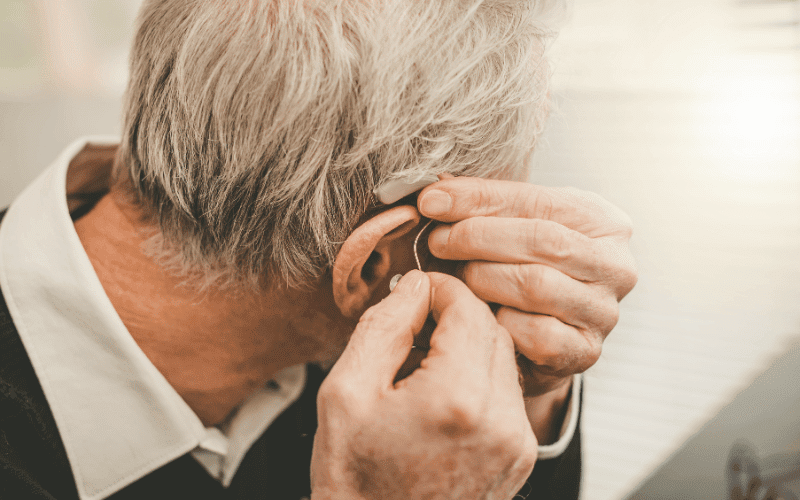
34, 465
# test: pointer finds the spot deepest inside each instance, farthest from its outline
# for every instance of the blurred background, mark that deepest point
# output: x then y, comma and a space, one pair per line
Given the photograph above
685, 113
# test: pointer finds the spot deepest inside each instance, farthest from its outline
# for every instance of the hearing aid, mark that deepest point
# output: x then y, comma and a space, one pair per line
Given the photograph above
394, 190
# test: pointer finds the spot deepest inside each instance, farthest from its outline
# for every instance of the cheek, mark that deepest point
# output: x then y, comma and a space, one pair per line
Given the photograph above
332, 343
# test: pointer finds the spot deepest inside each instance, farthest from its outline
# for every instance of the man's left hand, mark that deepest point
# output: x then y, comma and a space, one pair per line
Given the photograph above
556, 260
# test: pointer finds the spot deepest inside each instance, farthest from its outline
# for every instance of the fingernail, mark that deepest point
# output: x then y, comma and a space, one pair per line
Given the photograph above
435, 202
410, 284
439, 238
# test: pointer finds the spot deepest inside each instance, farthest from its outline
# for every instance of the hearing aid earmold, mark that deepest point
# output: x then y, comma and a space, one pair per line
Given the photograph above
393, 282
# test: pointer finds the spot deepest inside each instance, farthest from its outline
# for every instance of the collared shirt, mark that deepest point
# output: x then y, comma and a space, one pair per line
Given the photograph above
118, 417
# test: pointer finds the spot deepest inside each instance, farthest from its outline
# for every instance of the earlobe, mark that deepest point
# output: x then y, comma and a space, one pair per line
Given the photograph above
365, 258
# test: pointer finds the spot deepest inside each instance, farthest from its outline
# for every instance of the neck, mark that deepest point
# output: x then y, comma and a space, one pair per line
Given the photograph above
216, 346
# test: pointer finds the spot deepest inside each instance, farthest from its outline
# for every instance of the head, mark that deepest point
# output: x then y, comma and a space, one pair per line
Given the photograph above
256, 131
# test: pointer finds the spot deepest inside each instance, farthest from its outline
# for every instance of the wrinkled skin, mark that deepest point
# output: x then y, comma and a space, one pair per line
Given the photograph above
455, 428
556, 261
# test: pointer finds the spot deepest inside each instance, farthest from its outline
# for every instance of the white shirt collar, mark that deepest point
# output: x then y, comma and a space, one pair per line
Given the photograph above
117, 415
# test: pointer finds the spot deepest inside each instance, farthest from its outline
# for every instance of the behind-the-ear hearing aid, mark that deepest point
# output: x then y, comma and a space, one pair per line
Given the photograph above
394, 190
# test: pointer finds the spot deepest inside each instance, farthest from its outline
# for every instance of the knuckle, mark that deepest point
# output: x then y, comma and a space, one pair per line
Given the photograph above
621, 222
469, 232
561, 361
559, 364
480, 198
456, 417
550, 239
338, 392
540, 204
509, 437
630, 276
530, 280
588, 196
533, 237
595, 198
611, 317
618, 264
561, 246
590, 354
625, 227
497, 196
623, 274
594, 351
600, 314
548, 357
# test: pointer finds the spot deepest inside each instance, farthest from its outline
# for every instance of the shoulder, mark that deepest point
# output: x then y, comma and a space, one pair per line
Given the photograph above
33, 463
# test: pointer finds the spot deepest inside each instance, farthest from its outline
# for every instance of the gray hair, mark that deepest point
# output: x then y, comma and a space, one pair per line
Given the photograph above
255, 131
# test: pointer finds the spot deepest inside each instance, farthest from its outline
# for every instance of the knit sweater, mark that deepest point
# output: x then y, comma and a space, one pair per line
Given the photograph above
34, 463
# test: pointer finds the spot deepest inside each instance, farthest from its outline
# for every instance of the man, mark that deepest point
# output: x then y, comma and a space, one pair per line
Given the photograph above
162, 328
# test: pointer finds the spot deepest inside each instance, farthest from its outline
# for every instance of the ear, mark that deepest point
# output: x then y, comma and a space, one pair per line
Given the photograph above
366, 259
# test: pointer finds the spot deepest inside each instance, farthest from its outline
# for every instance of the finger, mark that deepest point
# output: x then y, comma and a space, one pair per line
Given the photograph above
470, 371
602, 261
385, 333
537, 288
451, 200
537, 383
523, 241
467, 341
553, 347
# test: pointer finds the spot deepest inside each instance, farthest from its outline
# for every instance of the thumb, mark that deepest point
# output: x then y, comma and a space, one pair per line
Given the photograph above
385, 333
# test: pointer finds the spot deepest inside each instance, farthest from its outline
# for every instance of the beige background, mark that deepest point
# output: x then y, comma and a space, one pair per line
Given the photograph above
686, 113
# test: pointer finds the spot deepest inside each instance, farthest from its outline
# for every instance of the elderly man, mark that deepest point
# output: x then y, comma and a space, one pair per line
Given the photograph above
167, 302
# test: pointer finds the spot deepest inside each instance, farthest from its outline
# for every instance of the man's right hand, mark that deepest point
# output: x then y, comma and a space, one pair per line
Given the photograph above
455, 428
